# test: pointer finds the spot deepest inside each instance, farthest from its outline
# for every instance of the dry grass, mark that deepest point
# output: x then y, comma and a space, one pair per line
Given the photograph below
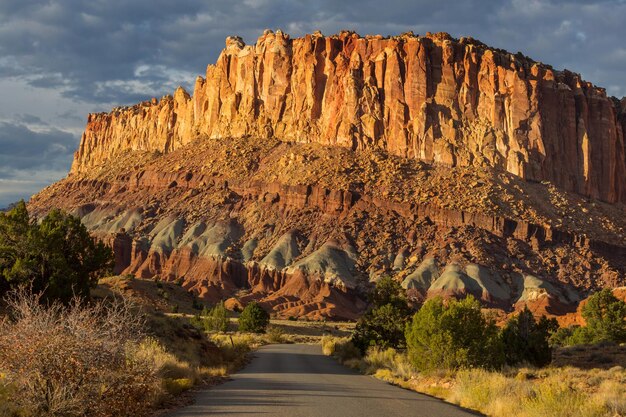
520, 392
566, 392
341, 348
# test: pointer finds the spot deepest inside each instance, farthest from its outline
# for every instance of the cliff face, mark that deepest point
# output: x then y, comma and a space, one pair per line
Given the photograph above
433, 98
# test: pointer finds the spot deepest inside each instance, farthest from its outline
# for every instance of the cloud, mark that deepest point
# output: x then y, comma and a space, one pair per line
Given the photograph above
31, 157
22, 148
97, 51
60, 59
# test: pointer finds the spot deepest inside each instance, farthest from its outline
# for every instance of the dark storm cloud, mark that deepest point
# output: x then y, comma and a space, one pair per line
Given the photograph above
120, 51
101, 53
24, 149
31, 157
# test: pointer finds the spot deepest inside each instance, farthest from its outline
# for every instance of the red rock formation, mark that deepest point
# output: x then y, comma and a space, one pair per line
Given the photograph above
264, 232
434, 98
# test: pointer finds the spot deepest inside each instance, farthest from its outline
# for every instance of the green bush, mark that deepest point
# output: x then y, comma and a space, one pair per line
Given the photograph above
452, 336
216, 318
195, 304
605, 316
197, 322
562, 336
388, 291
526, 340
56, 257
253, 319
383, 324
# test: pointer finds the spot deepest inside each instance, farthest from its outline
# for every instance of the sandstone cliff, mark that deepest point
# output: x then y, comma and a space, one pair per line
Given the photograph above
300, 171
433, 98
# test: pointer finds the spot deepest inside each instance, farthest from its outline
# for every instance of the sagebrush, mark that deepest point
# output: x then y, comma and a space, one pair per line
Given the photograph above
75, 360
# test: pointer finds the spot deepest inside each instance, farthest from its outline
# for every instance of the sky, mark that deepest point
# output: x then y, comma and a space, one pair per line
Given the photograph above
62, 59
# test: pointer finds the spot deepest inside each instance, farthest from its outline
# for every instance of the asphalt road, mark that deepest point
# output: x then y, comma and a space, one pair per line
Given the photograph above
298, 381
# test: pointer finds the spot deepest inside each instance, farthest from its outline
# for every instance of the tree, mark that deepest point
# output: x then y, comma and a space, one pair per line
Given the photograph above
253, 318
452, 336
605, 316
216, 318
388, 291
383, 324
526, 340
17, 260
56, 257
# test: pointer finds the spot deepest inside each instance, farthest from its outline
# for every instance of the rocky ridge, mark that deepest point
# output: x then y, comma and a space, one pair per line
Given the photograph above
301, 170
433, 98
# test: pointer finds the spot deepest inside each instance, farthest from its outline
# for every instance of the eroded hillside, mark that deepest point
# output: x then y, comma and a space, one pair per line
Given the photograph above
305, 227
303, 169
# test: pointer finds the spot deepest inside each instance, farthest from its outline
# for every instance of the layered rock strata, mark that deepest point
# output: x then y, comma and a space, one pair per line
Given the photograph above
305, 228
432, 98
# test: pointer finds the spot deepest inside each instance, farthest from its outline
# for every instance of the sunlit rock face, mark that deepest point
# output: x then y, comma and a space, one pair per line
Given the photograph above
434, 98
303, 170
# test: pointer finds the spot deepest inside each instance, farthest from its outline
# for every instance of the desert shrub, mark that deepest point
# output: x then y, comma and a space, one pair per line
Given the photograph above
566, 392
390, 359
253, 319
341, 348
56, 257
383, 324
166, 364
345, 351
556, 397
328, 345
453, 335
377, 358
526, 340
490, 392
77, 360
234, 348
216, 318
7, 408
275, 334
561, 337
612, 394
